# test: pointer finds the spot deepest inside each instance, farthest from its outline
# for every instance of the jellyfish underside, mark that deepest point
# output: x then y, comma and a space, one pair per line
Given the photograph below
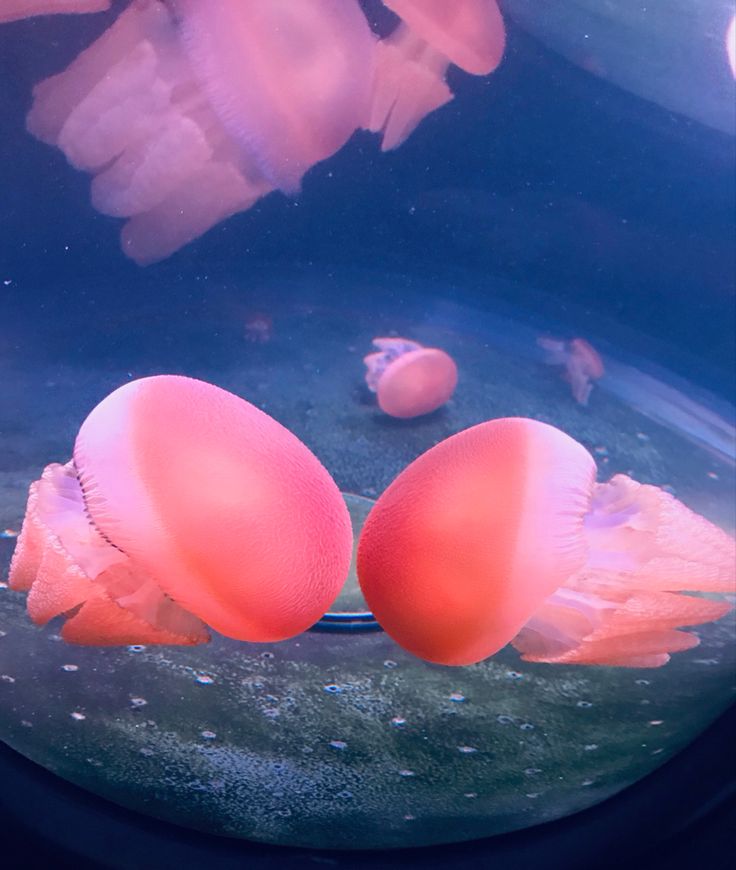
625, 606
69, 568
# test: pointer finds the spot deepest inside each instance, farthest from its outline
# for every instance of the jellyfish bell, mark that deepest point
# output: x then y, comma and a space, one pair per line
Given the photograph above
188, 112
14, 10
409, 380
184, 506
411, 63
500, 534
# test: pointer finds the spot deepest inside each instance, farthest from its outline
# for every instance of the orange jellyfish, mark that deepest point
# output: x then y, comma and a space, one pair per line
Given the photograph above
184, 506
187, 112
409, 379
411, 63
13, 10
581, 360
500, 534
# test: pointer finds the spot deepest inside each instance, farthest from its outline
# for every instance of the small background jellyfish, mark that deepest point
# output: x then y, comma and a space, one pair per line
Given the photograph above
409, 380
581, 362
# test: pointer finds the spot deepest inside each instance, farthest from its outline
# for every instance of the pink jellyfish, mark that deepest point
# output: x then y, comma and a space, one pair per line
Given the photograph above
188, 112
581, 360
411, 63
501, 534
184, 506
13, 10
409, 380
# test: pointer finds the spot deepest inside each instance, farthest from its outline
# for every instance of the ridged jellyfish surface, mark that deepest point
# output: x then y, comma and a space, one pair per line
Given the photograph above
185, 507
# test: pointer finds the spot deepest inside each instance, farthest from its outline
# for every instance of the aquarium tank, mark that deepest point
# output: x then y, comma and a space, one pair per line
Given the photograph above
367, 412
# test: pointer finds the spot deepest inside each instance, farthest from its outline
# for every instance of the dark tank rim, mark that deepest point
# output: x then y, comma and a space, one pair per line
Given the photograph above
681, 815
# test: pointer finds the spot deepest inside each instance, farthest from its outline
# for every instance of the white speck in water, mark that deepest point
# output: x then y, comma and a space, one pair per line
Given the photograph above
208, 735
467, 750
584, 704
78, 716
204, 679
70, 668
6, 678
138, 702
338, 744
398, 721
457, 697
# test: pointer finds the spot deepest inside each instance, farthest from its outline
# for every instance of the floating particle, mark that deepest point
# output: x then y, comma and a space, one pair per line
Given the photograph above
136, 648
505, 720
642, 436
70, 668
204, 679
406, 773
471, 794
338, 744
78, 716
333, 688
6, 678
588, 782
589, 747
146, 751
138, 702
457, 697
9, 533
514, 675
642, 682
398, 721
390, 664
656, 722
584, 704
532, 771
208, 735
467, 750
712, 475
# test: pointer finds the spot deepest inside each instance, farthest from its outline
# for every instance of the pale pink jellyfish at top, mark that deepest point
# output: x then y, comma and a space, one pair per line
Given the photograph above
187, 112
14, 10
411, 63
184, 506
500, 534
581, 362
409, 380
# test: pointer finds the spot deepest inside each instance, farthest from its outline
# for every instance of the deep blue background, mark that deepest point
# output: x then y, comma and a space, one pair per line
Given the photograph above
540, 173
